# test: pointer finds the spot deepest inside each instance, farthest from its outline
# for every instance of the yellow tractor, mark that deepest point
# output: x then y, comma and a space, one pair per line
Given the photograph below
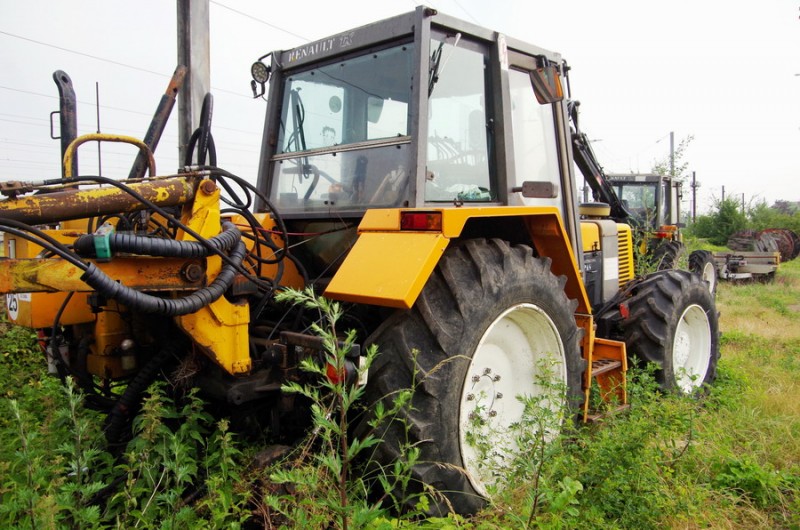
649, 202
419, 170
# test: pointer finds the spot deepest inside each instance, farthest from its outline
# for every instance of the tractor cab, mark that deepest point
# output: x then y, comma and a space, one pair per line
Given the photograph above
416, 111
654, 200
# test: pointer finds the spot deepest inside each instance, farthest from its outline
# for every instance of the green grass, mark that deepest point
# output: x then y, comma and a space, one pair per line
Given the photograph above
730, 460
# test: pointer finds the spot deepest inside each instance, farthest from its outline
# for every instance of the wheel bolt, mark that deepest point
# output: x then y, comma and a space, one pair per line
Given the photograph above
492, 413
470, 397
499, 395
496, 378
487, 371
476, 378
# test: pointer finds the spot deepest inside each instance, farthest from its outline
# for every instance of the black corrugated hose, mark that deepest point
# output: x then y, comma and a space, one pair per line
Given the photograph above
116, 427
159, 246
146, 303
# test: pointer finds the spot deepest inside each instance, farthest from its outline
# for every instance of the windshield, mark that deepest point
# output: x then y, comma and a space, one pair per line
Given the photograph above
639, 198
343, 141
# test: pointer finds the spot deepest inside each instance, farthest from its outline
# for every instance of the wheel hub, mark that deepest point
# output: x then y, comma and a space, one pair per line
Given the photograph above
710, 276
691, 348
518, 360
485, 392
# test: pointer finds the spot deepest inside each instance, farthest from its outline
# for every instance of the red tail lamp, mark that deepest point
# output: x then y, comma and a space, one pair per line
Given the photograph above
426, 221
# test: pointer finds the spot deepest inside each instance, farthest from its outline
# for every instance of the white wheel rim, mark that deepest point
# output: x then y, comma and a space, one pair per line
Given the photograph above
710, 276
507, 363
691, 349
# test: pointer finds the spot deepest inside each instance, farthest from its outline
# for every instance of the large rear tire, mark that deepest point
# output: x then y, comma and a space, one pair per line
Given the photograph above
673, 323
702, 262
489, 318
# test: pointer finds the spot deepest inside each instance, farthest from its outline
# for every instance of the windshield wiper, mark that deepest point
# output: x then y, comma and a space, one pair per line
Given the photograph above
298, 136
437, 66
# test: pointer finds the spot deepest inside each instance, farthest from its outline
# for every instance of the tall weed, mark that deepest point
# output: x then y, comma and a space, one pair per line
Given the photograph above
179, 471
319, 483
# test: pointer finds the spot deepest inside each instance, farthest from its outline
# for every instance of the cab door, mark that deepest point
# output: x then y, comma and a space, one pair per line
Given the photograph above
539, 151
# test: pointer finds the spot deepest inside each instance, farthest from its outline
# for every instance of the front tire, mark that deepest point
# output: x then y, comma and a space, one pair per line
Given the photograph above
486, 322
673, 323
702, 262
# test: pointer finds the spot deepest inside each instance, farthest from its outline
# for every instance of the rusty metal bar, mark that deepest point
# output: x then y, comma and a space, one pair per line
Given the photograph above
48, 208
50, 275
159, 121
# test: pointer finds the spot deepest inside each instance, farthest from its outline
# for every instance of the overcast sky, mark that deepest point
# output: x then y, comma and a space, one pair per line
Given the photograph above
725, 73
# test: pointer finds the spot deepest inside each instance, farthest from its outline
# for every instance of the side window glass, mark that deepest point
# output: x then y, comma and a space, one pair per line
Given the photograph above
535, 149
666, 196
458, 140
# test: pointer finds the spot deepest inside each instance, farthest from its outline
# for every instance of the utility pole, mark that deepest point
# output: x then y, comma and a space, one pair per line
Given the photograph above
723, 193
694, 197
194, 53
671, 153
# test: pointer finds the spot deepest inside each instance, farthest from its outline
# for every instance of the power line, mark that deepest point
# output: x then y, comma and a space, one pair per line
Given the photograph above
475, 20
23, 117
37, 149
21, 122
17, 142
117, 63
95, 57
91, 103
246, 15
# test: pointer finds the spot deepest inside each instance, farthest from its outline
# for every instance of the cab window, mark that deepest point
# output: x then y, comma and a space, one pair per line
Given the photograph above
458, 165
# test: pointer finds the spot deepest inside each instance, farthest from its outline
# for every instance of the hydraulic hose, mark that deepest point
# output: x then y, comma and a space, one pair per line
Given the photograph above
116, 428
146, 303
158, 246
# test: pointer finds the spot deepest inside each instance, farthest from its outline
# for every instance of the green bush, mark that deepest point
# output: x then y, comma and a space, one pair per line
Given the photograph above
717, 227
728, 217
56, 473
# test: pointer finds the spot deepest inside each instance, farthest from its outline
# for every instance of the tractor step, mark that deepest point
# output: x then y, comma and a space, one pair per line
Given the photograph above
600, 416
602, 366
604, 382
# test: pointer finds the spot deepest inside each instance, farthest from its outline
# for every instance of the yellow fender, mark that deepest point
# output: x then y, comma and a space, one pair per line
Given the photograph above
389, 266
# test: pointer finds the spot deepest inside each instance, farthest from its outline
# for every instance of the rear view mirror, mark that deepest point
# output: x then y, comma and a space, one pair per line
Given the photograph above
546, 83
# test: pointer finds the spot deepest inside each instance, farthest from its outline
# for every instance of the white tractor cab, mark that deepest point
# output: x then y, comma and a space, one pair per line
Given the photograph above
654, 200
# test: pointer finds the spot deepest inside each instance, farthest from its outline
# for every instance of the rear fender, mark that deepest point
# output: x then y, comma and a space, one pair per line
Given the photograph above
389, 266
